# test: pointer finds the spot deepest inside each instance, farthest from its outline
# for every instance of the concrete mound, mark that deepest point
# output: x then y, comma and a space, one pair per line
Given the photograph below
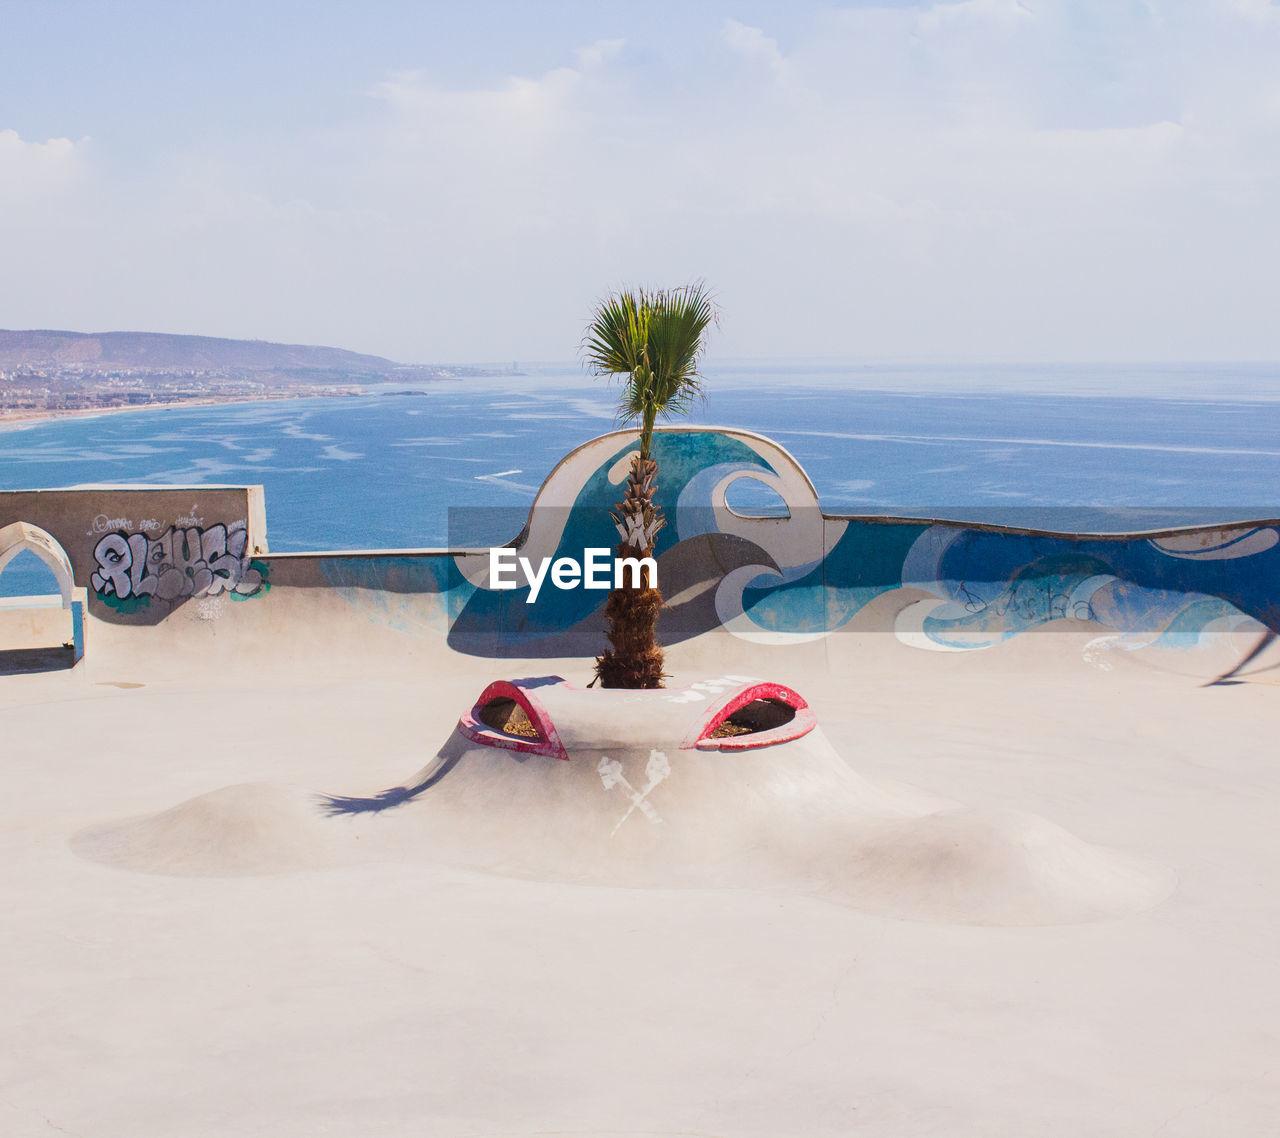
698, 806
252, 828
998, 867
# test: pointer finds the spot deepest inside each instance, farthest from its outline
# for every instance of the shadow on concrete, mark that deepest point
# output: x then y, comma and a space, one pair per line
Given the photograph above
16, 661
445, 761
1228, 678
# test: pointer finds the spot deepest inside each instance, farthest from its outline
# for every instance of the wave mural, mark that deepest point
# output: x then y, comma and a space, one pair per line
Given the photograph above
798, 574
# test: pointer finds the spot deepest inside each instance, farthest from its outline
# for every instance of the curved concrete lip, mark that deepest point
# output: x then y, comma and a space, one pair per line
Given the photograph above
636, 708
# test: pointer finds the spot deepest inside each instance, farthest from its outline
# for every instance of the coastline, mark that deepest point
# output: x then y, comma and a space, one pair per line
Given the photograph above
20, 419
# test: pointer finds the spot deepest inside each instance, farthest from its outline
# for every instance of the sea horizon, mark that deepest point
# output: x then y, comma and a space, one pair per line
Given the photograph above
1062, 447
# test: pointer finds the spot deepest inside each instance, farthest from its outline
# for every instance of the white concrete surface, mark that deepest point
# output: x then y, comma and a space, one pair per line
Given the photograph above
400, 996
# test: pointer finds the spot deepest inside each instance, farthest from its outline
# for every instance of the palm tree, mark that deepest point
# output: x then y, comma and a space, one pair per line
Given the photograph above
654, 340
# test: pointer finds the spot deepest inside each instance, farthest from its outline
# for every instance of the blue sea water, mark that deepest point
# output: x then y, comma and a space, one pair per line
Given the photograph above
1059, 447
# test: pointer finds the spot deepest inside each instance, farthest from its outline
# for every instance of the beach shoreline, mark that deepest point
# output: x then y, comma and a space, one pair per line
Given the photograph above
19, 419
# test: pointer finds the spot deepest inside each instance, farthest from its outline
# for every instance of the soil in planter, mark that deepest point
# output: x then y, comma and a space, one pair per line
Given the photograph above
758, 715
509, 717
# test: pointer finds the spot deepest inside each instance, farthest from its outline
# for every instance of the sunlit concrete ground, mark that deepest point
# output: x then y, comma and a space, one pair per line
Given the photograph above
401, 998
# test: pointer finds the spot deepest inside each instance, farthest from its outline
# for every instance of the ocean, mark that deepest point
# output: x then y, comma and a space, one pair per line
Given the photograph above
1065, 447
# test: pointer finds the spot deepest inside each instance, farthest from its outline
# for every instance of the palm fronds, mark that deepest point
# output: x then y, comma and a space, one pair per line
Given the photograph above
654, 340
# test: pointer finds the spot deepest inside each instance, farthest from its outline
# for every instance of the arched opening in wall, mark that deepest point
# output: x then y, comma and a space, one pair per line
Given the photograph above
750, 498
41, 615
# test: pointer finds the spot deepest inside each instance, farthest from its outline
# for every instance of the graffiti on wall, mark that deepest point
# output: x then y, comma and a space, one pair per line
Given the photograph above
132, 569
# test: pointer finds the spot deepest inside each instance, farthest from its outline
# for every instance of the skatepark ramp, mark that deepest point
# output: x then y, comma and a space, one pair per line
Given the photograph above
165, 569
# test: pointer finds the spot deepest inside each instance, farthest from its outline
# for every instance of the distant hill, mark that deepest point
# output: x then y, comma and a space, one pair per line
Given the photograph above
96, 351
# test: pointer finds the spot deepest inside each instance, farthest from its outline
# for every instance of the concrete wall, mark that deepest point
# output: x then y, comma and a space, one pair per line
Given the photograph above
34, 622
179, 559
142, 552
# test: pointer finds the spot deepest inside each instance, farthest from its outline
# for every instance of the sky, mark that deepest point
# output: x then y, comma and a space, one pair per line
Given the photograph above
1029, 180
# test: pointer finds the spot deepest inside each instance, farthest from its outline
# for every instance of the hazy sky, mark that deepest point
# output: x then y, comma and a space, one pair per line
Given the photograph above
989, 179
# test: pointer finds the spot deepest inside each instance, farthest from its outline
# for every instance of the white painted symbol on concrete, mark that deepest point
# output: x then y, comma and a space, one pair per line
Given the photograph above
699, 692
210, 607
657, 768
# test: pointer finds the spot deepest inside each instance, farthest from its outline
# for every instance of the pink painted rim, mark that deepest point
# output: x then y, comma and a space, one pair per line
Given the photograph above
474, 729
804, 721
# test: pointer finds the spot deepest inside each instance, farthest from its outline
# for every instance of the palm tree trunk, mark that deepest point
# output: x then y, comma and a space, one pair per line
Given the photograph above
635, 658
646, 429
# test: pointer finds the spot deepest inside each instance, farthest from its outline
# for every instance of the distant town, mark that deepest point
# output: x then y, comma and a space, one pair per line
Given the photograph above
54, 373
71, 388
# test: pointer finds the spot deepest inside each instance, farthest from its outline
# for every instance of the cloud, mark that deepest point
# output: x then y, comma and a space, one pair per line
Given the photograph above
517, 111
29, 171
13, 148
753, 45
970, 12
1259, 11
1068, 179
598, 53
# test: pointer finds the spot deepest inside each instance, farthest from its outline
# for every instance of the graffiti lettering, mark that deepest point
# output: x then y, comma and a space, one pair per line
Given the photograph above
179, 563
104, 524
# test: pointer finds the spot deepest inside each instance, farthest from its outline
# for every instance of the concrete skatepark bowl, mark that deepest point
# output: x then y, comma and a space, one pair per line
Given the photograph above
769, 806
988, 847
